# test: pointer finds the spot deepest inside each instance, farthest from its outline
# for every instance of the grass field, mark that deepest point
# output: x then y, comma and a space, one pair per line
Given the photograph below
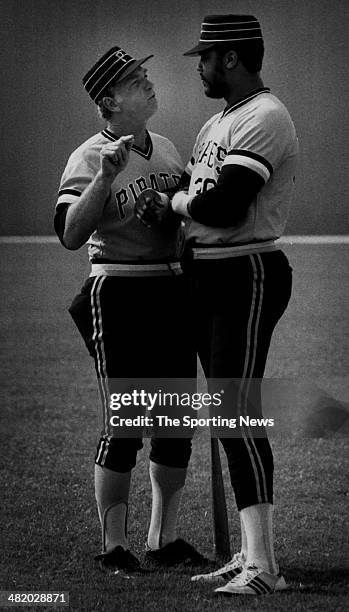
50, 423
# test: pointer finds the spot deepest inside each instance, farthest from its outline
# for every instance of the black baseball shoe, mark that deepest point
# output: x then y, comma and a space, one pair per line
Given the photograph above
178, 552
118, 560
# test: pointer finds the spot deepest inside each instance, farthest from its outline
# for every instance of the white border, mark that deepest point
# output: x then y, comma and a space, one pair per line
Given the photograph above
340, 239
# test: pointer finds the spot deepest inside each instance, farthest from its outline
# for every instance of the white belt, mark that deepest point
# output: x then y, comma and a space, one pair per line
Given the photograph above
126, 269
226, 252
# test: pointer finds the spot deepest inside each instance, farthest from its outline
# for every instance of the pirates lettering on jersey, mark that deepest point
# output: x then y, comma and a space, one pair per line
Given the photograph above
212, 155
161, 182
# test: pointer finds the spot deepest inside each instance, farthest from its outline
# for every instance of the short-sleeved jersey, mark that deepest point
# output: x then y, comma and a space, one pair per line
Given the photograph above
258, 133
119, 235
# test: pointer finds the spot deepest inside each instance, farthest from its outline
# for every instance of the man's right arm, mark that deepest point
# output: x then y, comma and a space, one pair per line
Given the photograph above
82, 217
75, 222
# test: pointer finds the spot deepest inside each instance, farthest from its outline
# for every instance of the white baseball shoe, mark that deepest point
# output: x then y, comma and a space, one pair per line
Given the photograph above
253, 581
227, 572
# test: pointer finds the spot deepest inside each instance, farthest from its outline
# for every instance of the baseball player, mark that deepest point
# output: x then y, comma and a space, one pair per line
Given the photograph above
240, 181
128, 309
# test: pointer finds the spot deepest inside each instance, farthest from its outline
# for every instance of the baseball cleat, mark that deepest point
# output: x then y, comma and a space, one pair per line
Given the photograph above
227, 572
118, 560
253, 581
175, 553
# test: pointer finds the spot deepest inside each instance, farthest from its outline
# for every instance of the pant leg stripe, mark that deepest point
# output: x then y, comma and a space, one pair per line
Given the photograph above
101, 374
97, 344
104, 379
256, 260
99, 451
100, 361
95, 322
259, 309
243, 378
102, 450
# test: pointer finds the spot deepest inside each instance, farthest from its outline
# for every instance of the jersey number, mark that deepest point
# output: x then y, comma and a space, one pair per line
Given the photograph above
205, 185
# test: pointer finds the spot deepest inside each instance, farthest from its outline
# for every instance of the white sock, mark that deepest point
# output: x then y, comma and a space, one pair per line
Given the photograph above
258, 524
111, 491
167, 487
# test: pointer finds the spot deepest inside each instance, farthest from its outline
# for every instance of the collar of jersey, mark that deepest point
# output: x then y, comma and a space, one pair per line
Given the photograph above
148, 143
244, 100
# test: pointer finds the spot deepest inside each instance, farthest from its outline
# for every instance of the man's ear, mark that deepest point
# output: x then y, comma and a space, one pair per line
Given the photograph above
112, 104
230, 60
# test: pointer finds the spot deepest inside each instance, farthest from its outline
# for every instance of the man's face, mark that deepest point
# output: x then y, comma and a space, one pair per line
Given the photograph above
212, 75
136, 95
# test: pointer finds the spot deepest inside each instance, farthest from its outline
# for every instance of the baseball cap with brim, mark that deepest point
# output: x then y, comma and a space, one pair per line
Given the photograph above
200, 48
114, 66
133, 67
220, 29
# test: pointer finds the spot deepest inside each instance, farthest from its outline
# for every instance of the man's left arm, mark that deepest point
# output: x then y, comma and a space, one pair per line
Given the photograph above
226, 204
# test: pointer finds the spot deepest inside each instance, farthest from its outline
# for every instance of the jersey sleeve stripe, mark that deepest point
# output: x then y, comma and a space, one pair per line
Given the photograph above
252, 164
74, 192
67, 199
252, 155
250, 160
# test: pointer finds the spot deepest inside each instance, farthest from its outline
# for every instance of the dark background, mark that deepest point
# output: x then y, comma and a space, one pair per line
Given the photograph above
47, 46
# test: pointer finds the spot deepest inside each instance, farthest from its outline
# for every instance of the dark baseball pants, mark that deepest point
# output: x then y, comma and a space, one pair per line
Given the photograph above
237, 304
136, 328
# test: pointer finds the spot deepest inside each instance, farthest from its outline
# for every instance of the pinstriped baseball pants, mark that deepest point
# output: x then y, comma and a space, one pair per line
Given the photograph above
237, 304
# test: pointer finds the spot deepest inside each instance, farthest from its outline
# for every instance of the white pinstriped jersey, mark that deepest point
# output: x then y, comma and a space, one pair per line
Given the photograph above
258, 133
119, 235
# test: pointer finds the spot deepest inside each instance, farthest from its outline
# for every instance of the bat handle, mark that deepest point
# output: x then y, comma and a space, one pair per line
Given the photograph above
219, 506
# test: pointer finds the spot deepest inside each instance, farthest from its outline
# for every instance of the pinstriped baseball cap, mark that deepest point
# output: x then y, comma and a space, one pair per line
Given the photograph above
220, 29
110, 69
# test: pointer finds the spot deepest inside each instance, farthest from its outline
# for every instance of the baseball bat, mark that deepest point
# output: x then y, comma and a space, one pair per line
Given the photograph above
219, 506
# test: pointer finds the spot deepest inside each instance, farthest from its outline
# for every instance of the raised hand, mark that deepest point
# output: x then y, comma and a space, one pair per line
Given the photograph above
115, 156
